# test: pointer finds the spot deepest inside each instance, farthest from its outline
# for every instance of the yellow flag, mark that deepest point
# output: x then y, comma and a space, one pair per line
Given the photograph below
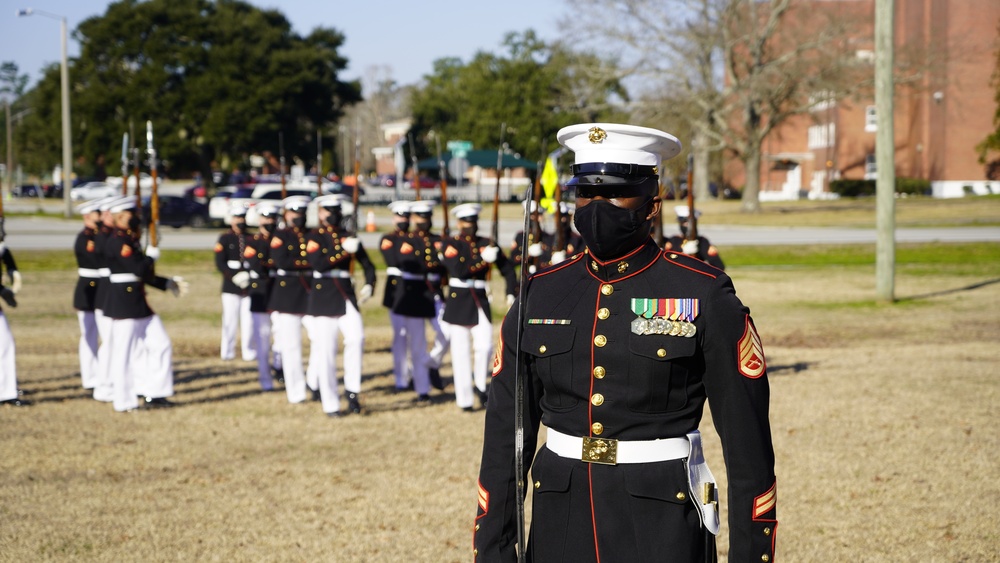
550, 183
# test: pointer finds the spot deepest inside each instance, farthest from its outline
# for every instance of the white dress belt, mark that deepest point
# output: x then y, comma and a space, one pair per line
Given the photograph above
477, 284
281, 272
411, 277
393, 271
234, 264
434, 277
332, 274
634, 451
124, 278
88, 273
105, 272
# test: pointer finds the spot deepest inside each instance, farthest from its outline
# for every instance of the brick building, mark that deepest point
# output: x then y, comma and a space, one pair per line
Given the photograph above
939, 118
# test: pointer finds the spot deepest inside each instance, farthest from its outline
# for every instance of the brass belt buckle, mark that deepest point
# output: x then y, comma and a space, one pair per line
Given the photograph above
600, 450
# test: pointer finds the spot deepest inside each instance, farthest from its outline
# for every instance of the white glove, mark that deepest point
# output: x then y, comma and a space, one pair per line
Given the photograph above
350, 244
510, 300
366, 293
558, 256
15, 281
535, 250
178, 286
690, 247
241, 279
153, 252
489, 254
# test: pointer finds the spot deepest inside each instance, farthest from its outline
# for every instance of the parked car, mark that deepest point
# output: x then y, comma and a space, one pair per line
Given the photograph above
177, 211
27, 190
219, 205
94, 190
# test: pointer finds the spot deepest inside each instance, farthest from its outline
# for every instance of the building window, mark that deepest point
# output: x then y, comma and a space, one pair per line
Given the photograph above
821, 136
871, 119
871, 170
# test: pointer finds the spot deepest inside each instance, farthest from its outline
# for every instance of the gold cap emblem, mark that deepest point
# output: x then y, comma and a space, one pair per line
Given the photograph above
597, 135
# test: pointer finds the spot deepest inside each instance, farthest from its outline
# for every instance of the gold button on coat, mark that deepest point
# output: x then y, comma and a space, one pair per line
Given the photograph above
681, 496
538, 484
597, 428
599, 372
600, 340
765, 558
597, 400
603, 313
607, 289
767, 531
542, 349
661, 353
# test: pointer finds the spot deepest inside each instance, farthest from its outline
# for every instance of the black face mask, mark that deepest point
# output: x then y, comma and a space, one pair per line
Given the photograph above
270, 227
469, 231
611, 231
240, 227
299, 221
133, 223
403, 226
334, 219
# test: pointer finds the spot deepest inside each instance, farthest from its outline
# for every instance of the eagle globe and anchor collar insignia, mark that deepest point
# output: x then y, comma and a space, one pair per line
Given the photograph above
671, 317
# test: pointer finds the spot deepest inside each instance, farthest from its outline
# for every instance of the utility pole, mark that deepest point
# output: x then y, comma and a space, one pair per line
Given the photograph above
885, 152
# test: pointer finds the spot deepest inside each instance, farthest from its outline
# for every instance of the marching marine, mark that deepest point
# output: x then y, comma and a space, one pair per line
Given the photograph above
621, 346
334, 305
140, 358
89, 260
468, 258
259, 285
389, 246
230, 262
8, 360
698, 247
290, 294
540, 244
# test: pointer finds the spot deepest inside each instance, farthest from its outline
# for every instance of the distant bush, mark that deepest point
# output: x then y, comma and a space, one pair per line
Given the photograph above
861, 188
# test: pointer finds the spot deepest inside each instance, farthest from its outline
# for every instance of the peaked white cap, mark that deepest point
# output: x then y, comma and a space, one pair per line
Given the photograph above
618, 143
466, 210
122, 204
422, 206
295, 203
682, 212
400, 207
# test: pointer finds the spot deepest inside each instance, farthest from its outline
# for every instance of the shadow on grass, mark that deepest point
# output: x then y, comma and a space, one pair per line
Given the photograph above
949, 291
788, 369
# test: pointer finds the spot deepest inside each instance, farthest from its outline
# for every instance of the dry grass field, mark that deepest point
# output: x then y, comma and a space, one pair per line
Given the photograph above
885, 422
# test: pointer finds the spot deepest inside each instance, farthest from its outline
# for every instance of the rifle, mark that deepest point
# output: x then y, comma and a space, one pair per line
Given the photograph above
281, 163
319, 163
495, 231
692, 232
415, 183
135, 163
125, 164
154, 200
519, 384
357, 174
444, 187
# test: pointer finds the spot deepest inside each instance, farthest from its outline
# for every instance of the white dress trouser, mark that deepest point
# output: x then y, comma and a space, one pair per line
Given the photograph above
312, 377
463, 366
236, 315
289, 326
262, 338
400, 366
88, 348
8, 363
441, 336
103, 386
275, 341
353, 329
416, 340
323, 360
139, 361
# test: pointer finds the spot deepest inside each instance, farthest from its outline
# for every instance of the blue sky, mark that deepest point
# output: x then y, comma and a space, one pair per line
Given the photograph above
405, 35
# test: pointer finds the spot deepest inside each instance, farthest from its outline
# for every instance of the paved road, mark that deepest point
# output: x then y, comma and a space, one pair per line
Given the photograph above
36, 233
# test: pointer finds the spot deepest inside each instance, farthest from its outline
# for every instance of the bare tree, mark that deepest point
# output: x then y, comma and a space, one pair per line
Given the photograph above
737, 68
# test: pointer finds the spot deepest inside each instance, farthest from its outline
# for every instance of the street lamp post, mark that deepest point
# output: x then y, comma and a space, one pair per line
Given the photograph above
67, 146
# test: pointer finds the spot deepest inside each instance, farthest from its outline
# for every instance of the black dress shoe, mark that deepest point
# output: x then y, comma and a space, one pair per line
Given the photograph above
315, 394
157, 403
278, 374
353, 403
16, 403
436, 379
422, 399
468, 409
335, 414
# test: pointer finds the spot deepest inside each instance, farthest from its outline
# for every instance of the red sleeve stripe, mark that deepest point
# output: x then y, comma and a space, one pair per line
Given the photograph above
765, 502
